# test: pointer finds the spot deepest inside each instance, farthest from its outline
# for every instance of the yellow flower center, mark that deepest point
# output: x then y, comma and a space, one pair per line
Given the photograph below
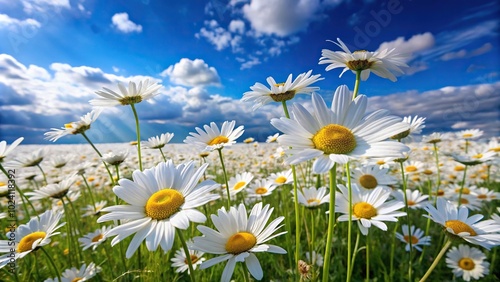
164, 203
465, 191
240, 242
280, 97
128, 100
464, 201
239, 185
482, 196
313, 201
364, 210
368, 181
411, 203
411, 168
261, 190
496, 149
68, 125
334, 139
76, 279
218, 140
194, 259
97, 238
477, 156
413, 239
280, 179
466, 263
27, 241
459, 168
381, 162
458, 227
467, 135
428, 172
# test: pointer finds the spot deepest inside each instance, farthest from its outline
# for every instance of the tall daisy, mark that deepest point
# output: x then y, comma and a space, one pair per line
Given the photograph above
417, 237
338, 134
85, 273
282, 177
135, 93
313, 197
261, 188
458, 224
4, 150
239, 182
467, 262
211, 138
415, 199
280, 92
180, 262
416, 125
95, 238
238, 237
159, 200
76, 127
28, 237
368, 208
158, 142
372, 176
56, 191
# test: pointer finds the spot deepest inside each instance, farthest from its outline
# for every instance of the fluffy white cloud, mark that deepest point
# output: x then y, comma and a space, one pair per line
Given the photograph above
191, 73
31, 6
464, 53
222, 38
12, 23
415, 44
281, 17
124, 24
247, 64
237, 26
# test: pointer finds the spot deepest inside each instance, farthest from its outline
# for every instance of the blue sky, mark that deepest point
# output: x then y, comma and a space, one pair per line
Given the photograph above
56, 53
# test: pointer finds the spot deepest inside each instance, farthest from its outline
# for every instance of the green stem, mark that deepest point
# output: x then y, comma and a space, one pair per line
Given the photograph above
368, 257
405, 191
285, 109
438, 169
331, 223
462, 187
436, 261
313, 235
393, 248
228, 205
43, 174
163, 155
356, 244
90, 192
117, 172
356, 84
188, 255
100, 155
349, 222
23, 197
54, 267
138, 132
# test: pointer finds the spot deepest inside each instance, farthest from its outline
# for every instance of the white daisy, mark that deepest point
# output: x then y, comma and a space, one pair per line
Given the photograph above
213, 138
76, 127
474, 157
239, 236
435, 138
133, 95
36, 233
261, 95
457, 222
415, 199
158, 142
368, 208
248, 140
416, 125
94, 210
95, 238
469, 134
85, 273
239, 182
372, 176
467, 262
115, 158
281, 178
4, 150
28, 160
59, 161
313, 197
159, 200
261, 188
384, 63
338, 134
483, 194
180, 262
57, 191
272, 138
417, 237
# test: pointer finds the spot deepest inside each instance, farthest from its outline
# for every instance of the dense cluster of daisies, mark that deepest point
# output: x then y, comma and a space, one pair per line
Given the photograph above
210, 200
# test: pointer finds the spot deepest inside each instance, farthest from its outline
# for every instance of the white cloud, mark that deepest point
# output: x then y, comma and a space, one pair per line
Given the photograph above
12, 23
281, 17
31, 6
237, 26
415, 44
482, 50
124, 24
192, 73
464, 53
216, 35
247, 64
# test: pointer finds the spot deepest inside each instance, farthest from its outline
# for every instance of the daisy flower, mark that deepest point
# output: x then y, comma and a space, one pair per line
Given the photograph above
74, 274
248, 140
456, 222
94, 210
281, 178
467, 262
416, 125
213, 138
180, 262
132, 95
417, 237
59, 161
279, 92
158, 142
95, 238
75, 127
272, 138
56, 191
238, 237
313, 197
115, 158
469, 134
414, 167
368, 208
474, 157
4, 150
435, 138
239, 182
338, 134
385, 63
372, 176
483, 194
36, 233
29, 160
414, 198
261, 188
159, 200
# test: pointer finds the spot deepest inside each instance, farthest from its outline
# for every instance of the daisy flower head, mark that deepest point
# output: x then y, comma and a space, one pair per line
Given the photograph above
469, 134
435, 138
158, 142
414, 198
474, 157
368, 208
272, 138
261, 188
135, 93
30, 236
313, 197
416, 125
458, 224
281, 178
29, 160
211, 138
180, 262
158, 201
4, 150
467, 262
239, 182
340, 133
75, 127
279, 92
95, 238
85, 273
94, 210
385, 63
372, 176
55, 191
238, 237
115, 158
417, 237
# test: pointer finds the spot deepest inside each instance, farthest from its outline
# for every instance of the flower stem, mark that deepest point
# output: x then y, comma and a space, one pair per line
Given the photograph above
356, 84
285, 109
90, 192
225, 179
163, 155
43, 174
368, 257
100, 155
54, 267
188, 255
438, 170
349, 222
462, 187
436, 261
138, 132
23, 197
331, 222
405, 192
